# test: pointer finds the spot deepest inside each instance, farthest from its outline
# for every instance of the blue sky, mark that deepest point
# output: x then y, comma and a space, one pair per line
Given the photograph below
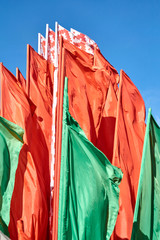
127, 33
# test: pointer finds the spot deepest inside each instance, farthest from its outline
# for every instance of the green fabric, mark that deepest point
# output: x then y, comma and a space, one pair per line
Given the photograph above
146, 223
89, 193
11, 141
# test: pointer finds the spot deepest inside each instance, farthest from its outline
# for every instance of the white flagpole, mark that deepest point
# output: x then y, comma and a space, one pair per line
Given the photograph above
46, 49
55, 89
56, 44
39, 43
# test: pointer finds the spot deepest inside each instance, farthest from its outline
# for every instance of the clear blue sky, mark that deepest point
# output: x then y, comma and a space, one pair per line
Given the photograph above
127, 32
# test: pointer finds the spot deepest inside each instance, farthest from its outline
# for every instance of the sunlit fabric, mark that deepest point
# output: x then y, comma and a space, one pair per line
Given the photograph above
21, 80
11, 141
31, 193
146, 224
40, 91
15, 105
88, 200
92, 98
128, 145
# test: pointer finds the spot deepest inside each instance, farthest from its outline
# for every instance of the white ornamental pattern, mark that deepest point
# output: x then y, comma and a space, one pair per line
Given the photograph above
42, 45
51, 46
83, 42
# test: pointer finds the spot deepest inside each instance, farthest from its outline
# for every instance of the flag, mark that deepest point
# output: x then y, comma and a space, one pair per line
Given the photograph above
88, 198
127, 153
83, 42
40, 91
106, 131
42, 45
91, 94
146, 223
21, 80
30, 200
11, 141
15, 105
31, 193
100, 61
51, 46
88, 88
67, 35
78, 39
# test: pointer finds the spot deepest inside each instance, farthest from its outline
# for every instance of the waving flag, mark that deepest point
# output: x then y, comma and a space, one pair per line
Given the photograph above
15, 105
42, 45
127, 153
11, 141
146, 223
83, 42
88, 201
51, 46
88, 89
30, 200
40, 90
21, 79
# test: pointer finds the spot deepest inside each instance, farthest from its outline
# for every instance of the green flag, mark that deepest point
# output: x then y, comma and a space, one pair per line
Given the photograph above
146, 223
10, 144
89, 193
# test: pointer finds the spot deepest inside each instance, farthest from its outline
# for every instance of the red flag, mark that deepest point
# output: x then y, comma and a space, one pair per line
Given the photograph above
91, 94
31, 191
88, 88
83, 42
21, 79
105, 138
113, 75
14, 106
128, 145
40, 90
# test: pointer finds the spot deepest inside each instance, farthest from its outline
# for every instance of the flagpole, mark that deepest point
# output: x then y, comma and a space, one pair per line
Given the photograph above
46, 49
55, 88
58, 140
17, 73
39, 43
28, 71
59, 137
53, 145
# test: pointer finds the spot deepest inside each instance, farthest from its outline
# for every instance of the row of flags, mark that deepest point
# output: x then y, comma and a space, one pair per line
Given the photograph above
77, 159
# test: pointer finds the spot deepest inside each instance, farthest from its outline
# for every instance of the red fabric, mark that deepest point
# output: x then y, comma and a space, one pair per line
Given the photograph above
89, 103
105, 137
14, 106
31, 192
112, 73
128, 146
21, 79
41, 92
92, 98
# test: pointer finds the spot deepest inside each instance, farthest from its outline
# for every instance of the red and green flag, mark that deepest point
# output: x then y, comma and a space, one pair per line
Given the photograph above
30, 199
89, 193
